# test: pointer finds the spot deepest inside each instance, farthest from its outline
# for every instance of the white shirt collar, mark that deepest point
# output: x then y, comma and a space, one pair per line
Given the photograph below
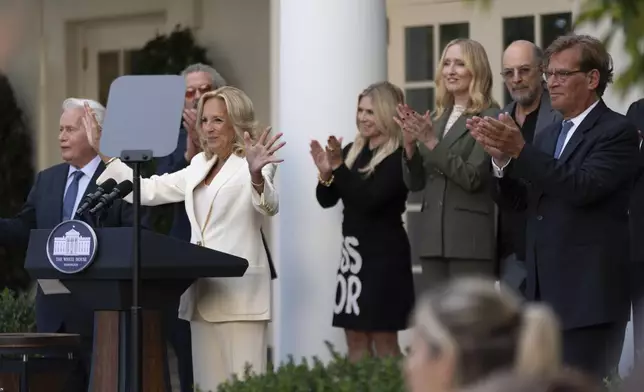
88, 169
581, 116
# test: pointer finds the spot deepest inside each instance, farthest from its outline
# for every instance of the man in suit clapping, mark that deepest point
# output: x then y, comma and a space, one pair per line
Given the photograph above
579, 175
532, 111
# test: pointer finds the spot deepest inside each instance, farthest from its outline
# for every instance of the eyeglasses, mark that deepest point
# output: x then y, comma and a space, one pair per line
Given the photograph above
192, 92
523, 72
561, 75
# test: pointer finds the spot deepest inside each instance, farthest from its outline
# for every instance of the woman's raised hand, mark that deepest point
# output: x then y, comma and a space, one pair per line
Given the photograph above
260, 153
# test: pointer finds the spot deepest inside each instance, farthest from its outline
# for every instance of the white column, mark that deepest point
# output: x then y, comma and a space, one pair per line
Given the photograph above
327, 52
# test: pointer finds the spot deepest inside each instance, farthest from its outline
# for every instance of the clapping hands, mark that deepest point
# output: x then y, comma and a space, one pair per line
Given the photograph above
415, 127
501, 138
328, 158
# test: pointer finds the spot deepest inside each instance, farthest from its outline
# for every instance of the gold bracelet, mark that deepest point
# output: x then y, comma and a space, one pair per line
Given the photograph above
110, 161
326, 183
260, 184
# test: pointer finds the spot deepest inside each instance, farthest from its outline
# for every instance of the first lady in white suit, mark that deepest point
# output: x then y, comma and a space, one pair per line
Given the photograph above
228, 189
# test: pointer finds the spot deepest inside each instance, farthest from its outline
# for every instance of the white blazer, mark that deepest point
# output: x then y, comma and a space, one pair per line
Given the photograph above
234, 227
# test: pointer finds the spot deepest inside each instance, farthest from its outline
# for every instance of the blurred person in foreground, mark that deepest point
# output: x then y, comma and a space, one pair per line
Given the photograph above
468, 330
228, 189
580, 174
375, 286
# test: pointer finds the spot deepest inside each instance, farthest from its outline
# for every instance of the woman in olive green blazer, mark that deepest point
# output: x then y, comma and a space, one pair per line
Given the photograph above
454, 233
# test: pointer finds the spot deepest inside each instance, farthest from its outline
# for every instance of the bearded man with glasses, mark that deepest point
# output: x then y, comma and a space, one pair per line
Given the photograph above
532, 111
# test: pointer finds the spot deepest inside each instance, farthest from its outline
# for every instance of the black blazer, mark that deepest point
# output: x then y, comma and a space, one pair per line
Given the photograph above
636, 115
577, 211
516, 221
43, 210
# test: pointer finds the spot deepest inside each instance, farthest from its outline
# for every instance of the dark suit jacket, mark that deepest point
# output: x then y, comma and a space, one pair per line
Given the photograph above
43, 210
515, 274
457, 216
636, 115
169, 164
577, 209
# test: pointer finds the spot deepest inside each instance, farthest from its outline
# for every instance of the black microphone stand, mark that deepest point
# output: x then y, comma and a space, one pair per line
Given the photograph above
136, 158
98, 220
89, 219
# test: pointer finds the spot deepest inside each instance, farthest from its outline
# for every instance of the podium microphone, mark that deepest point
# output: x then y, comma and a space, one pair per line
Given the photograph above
120, 191
91, 198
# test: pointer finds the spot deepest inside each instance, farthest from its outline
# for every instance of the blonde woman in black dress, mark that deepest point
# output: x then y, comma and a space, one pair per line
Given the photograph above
374, 285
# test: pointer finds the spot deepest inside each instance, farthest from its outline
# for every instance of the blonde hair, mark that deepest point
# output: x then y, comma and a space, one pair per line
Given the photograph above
384, 98
487, 331
240, 113
480, 90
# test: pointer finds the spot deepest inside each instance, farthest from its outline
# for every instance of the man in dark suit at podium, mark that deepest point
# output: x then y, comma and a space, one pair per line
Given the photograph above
54, 197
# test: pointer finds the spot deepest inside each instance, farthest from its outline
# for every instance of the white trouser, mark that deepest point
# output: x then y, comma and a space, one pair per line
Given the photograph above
220, 350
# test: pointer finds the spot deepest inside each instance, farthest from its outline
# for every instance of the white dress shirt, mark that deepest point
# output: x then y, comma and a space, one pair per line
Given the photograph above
498, 171
88, 171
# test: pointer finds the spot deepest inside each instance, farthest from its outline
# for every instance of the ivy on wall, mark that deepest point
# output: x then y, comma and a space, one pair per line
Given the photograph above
169, 54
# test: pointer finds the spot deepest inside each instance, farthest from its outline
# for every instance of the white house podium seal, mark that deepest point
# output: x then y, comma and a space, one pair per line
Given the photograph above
71, 246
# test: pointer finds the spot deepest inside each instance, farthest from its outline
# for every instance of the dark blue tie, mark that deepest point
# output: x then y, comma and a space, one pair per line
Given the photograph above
70, 196
565, 128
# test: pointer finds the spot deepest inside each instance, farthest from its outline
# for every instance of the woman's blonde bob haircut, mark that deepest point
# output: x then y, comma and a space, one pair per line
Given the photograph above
477, 63
240, 112
487, 330
385, 97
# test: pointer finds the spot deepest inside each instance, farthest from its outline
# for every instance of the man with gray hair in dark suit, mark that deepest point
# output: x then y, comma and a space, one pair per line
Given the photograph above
531, 110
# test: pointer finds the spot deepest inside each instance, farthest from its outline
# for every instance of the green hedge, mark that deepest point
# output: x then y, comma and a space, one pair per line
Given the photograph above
17, 312
339, 375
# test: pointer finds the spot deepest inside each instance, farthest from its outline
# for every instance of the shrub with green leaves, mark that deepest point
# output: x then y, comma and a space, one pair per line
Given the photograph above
339, 375
17, 312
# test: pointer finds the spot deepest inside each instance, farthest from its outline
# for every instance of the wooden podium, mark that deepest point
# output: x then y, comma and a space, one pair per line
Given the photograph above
168, 267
